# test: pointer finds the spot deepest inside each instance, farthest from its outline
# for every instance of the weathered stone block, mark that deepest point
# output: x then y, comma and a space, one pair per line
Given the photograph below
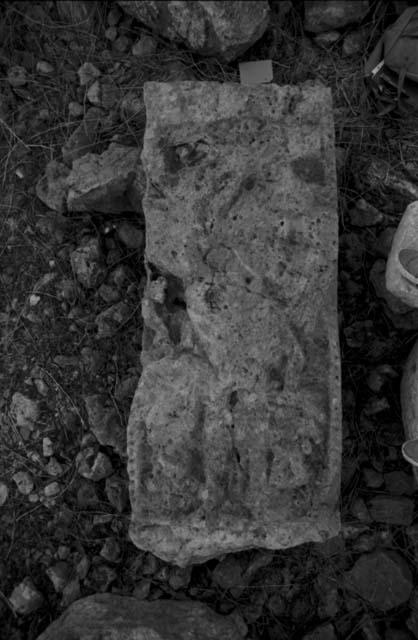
234, 432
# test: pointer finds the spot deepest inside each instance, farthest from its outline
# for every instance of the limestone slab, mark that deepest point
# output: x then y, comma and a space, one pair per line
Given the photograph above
234, 431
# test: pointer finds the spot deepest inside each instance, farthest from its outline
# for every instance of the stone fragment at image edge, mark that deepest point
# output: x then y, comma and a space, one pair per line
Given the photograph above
112, 616
234, 432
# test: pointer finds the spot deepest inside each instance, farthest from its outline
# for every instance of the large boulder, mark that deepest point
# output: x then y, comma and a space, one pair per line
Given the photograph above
106, 183
326, 15
122, 618
234, 432
225, 29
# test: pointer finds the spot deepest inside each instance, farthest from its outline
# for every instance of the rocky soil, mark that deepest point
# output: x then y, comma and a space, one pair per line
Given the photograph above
70, 330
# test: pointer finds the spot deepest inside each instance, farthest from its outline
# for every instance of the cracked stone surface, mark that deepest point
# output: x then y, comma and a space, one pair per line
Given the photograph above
234, 432
225, 29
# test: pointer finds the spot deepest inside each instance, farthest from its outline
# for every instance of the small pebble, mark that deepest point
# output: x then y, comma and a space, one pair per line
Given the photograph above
87, 73
52, 489
131, 236
327, 39
59, 574
4, 493
113, 16
111, 34
17, 76
26, 598
24, 410
47, 447
111, 550
93, 466
121, 44
23, 482
54, 468
75, 109
142, 589
145, 46
44, 67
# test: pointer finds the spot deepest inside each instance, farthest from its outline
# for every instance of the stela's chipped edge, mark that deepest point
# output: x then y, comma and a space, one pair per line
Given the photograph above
234, 436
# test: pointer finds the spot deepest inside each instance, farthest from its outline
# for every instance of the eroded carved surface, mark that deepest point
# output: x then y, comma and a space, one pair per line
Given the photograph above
234, 433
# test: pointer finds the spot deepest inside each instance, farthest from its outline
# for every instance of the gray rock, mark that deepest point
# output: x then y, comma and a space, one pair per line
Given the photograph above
131, 236
79, 13
70, 593
75, 109
145, 46
60, 575
118, 617
392, 510
24, 411
364, 214
84, 138
108, 294
104, 93
235, 346
325, 15
114, 16
382, 578
105, 423
142, 589
112, 319
100, 182
23, 481
110, 550
25, 598
179, 578
111, 34
327, 39
228, 575
224, 29
93, 465
117, 492
52, 188
354, 43
17, 76
4, 493
121, 44
324, 632
88, 263
87, 74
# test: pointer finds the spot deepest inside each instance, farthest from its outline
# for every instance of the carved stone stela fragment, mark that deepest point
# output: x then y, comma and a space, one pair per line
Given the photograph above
234, 432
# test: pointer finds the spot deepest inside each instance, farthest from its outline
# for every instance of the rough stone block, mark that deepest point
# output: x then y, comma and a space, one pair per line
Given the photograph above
234, 432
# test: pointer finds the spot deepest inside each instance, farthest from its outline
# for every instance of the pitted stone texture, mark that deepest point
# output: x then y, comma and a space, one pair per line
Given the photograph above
105, 182
122, 618
234, 433
225, 29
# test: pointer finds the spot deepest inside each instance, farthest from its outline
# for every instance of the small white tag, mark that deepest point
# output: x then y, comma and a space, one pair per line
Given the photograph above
257, 72
377, 68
